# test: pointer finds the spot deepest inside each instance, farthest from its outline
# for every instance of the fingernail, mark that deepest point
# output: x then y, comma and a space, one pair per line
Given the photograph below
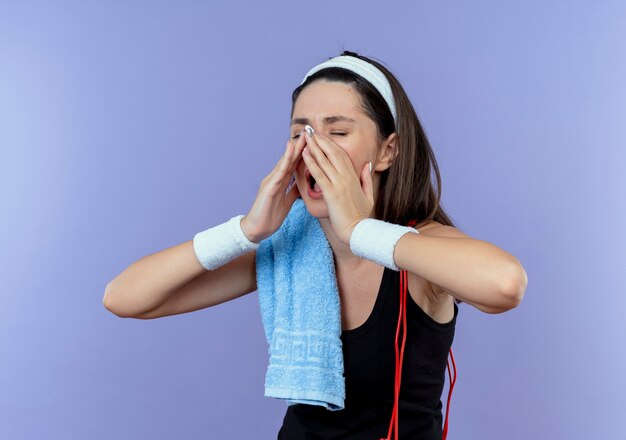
309, 129
370, 167
291, 183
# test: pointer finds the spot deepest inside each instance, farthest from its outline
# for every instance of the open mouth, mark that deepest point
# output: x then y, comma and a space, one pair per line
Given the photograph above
309, 177
313, 186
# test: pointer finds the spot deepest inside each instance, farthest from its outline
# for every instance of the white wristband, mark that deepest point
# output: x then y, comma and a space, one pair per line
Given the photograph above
376, 240
220, 244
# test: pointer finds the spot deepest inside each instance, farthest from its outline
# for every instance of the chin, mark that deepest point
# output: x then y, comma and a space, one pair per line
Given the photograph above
317, 208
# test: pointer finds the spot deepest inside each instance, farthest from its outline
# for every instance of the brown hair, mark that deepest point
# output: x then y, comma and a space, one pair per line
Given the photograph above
406, 191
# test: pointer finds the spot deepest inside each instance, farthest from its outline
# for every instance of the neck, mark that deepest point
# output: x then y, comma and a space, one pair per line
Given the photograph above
343, 255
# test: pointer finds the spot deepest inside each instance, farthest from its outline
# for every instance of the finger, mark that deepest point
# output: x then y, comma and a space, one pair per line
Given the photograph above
315, 170
300, 142
292, 194
291, 182
321, 160
281, 169
366, 182
286, 160
284, 156
292, 154
334, 153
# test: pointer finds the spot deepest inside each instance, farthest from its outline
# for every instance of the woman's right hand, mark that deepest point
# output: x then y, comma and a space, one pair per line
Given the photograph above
272, 205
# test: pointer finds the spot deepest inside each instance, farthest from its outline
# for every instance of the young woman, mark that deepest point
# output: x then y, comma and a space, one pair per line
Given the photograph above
368, 157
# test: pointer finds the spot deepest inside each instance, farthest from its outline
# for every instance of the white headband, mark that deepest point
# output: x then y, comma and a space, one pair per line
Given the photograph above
367, 70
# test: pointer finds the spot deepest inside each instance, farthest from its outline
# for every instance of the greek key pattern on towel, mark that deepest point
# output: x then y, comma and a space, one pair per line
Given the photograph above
306, 349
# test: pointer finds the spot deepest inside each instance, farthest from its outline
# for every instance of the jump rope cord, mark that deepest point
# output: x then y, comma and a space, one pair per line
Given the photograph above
398, 373
452, 382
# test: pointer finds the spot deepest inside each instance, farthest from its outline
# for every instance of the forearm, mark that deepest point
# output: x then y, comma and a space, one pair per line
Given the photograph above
151, 280
475, 271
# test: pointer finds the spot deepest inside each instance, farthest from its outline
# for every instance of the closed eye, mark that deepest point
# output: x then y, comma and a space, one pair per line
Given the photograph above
338, 134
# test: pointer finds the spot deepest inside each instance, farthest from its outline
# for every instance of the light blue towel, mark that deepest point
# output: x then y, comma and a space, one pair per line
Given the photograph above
301, 314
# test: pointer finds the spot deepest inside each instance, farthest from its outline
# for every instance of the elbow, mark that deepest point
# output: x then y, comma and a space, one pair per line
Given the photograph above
513, 289
109, 303
507, 294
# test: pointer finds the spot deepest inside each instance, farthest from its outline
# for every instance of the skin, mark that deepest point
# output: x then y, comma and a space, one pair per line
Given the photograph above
359, 141
440, 259
442, 262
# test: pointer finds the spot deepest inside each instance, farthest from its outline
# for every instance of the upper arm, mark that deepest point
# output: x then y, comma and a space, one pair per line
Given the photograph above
212, 287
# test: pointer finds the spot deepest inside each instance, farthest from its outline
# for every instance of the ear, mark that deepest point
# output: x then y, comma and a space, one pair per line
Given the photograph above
387, 152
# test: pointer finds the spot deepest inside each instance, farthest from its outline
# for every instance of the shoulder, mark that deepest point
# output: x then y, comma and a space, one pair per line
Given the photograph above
436, 229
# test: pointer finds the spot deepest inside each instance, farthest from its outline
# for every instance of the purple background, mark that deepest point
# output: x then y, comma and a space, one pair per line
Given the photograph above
126, 128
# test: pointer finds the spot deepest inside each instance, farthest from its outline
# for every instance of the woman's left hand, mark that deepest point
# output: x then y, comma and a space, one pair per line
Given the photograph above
349, 198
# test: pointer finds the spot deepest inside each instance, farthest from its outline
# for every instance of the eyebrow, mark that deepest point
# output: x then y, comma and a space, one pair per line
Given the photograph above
327, 120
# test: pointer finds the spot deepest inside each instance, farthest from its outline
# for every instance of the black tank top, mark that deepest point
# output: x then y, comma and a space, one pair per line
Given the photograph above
369, 371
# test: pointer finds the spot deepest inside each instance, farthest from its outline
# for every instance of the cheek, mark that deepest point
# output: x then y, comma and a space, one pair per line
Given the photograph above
351, 148
357, 155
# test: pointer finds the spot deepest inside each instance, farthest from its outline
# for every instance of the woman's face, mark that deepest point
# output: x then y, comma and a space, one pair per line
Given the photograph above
315, 106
